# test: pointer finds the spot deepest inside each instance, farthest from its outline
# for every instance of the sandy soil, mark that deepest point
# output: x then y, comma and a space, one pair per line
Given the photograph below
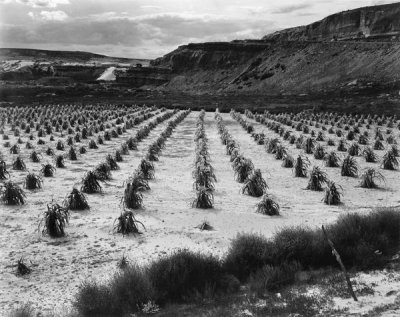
91, 250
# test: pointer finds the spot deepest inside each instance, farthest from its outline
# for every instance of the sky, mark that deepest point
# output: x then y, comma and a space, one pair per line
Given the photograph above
152, 28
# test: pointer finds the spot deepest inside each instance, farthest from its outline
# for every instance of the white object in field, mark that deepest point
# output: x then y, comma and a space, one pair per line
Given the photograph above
108, 74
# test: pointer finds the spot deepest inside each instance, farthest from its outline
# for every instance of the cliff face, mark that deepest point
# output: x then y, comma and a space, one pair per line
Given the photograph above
377, 22
286, 67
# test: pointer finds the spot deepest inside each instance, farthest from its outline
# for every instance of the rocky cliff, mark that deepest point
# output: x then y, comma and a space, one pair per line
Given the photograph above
377, 22
296, 61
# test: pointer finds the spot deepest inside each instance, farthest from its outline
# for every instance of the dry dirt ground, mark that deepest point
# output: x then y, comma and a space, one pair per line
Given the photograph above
91, 249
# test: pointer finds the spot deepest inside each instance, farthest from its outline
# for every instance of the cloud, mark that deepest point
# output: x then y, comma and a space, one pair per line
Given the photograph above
53, 15
291, 8
38, 3
150, 34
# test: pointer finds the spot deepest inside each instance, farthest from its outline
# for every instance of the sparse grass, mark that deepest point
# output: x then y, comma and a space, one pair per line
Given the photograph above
54, 221
349, 167
255, 185
12, 194
76, 200
268, 206
368, 178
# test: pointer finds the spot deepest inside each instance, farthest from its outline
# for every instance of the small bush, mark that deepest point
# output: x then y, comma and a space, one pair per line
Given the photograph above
127, 224
12, 194
22, 268
368, 178
112, 163
255, 185
33, 181
133, 198
389, 161
349, 167
242, 168
268, 206
49, 151
288, 161
378, 145
183, 275
118, 156
72, 154
369, 155
332, 194
319, 152
204, 199
55, 219
90, 183
301, 166
76, 200
48, 170
19, 164
103, 172
60, 161
92, 145
146, 168
4, 174
332, 159
317, 179
342, 146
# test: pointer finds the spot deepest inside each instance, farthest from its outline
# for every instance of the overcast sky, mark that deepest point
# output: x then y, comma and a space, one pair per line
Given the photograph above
151, 28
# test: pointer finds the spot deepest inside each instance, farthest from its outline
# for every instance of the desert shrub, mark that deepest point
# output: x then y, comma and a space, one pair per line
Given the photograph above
182, 275
90, 183
271, 278
112, 163
369, 155
28, 146
41, 141
248, 253
349, 167
354, 149
389, 161
4, 174
332, 194
268, 206
330, 142
301, 166
23, 268
127, 224
255, 185
204, 199
242, 168
76, 201
368, 178
288, 161
363, 139
205, 226
124, 149
204, 175
7, 144
272, 145
33, 181
12, 194
146, 168
48, 170
332, 159
100, 139
394, 149
317, 179
319, 152
19, 164
103, 172
54, 220
131, 144
72, 154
